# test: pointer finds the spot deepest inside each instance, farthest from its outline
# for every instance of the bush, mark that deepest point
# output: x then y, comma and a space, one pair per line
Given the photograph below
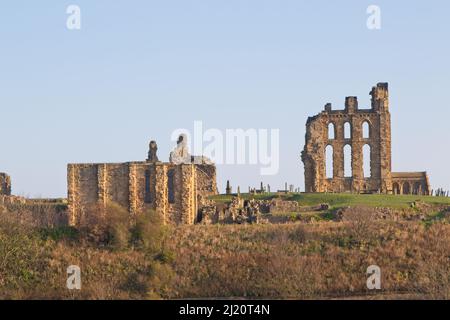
148, 232
362, 224
160, 281
118, 225
294, 217
60, 233
33, 260
298, 234
106, 225
165, 256
22, 255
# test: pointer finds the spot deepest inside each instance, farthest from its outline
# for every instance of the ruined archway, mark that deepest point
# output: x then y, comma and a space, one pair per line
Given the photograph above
367, 161
347, 130
396, 188
417, 188
348, 172
366, 130
406, 188
331, 131
329, 162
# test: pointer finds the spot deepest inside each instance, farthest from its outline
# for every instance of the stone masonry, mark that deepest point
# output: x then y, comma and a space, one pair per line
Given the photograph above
327, 130
175, 190
5, 184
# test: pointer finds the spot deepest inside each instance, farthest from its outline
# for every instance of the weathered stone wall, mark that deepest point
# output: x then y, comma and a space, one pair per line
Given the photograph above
38, 212
318, 139
172, 190
5, 184
12, 200
281, 206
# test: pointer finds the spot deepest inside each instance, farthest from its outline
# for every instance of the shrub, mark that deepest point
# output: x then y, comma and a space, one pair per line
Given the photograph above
148, 232
298, 234
60, 233
22, 255
160, 281
361, 223
165, 256
106, 225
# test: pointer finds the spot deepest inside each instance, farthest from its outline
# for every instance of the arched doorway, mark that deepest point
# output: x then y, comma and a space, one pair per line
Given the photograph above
406, 188
396, 188
417, 189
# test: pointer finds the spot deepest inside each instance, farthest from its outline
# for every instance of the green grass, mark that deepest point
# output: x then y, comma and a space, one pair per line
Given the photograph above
227, 198
346, 200
435, 217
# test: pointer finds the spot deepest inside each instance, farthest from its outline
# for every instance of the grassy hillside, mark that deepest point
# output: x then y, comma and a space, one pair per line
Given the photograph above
145, 260
320, 260
346, 200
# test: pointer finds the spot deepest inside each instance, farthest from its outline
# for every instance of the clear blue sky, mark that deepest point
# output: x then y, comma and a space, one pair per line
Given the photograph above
140, 69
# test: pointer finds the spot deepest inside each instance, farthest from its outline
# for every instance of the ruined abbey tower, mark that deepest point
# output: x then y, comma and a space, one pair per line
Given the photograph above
175, 189
354, 129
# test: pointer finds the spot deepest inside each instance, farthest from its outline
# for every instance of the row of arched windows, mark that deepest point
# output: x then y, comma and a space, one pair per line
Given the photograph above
348, 130
407, 188
348, 172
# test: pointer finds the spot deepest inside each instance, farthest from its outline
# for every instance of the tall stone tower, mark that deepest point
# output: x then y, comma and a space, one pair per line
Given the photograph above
343, 132
380, 104
356, 130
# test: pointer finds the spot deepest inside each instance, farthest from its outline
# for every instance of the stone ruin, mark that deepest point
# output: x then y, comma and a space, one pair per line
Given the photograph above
238, 211
5, 184
175, 189
367, 128
181, 155
40, 212
179, 189
5, 190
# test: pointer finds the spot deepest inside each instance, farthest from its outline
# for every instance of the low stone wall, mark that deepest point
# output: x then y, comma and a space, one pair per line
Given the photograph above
41, 213
283, 206
420, 212
10, 200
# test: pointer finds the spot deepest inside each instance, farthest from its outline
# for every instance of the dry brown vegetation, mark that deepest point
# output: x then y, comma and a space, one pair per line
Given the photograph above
138, 258
120, 257
319, 260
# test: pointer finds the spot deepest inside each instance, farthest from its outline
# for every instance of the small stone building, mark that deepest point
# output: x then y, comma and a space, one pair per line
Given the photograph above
352, 138
176, 189
5, 184
410, 183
